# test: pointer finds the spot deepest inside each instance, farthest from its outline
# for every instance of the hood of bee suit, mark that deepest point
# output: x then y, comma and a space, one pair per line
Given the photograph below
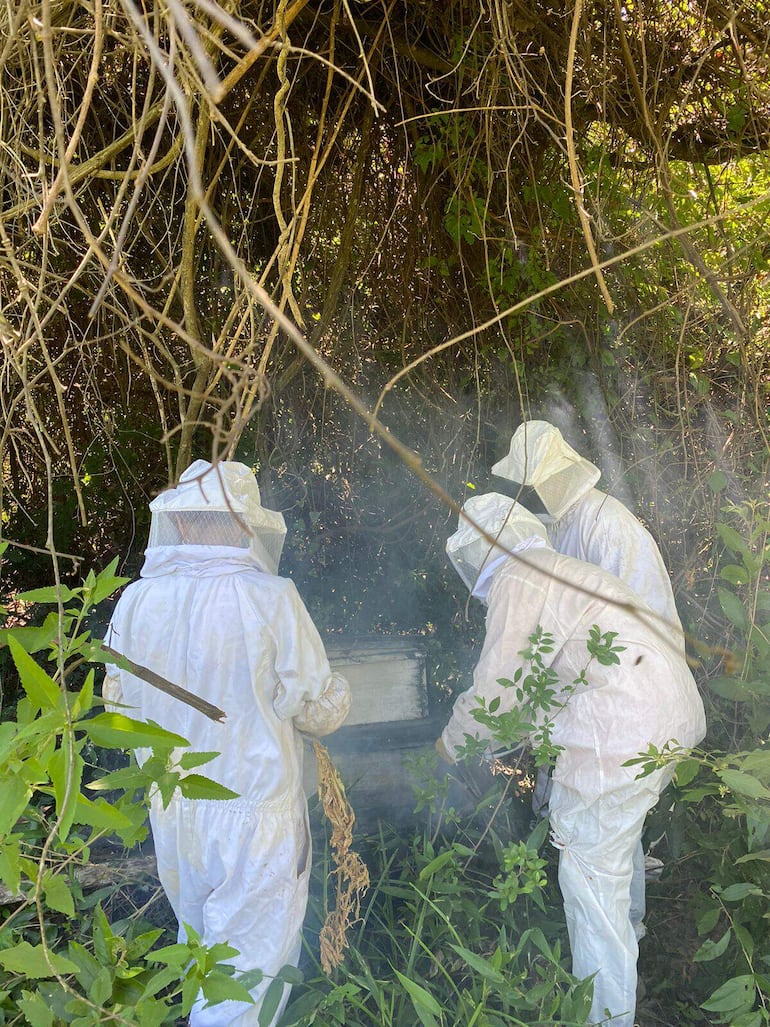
513, 528
540, 457
218, 505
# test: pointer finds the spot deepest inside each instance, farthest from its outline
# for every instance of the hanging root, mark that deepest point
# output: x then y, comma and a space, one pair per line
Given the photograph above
351, 871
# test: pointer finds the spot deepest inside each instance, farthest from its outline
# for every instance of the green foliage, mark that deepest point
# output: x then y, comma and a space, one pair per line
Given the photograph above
538, 697
61, 961
447, 936
723, 797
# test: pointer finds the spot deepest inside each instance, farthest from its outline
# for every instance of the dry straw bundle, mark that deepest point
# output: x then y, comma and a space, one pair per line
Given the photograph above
350, 870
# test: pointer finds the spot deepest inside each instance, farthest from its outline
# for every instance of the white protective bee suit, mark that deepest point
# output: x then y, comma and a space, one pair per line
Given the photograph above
597, 808
588, 524
211, 615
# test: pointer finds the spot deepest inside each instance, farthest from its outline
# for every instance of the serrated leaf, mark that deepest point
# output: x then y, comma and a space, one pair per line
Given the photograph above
196, 759
58, 895
36, 1010
42, 691
33, 639
100, 815
31, 961
172, 955
115, 730
195, 786
127, 778
219, 987
106, 583
51, 594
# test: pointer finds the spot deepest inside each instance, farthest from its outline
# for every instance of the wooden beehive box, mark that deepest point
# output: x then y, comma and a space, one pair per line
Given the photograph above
388, 720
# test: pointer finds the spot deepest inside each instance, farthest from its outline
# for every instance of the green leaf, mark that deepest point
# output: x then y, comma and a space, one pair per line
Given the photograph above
288, 974
33, 639
717, 481
171, 955
731, 538
734, 573
114, 730
708, 920
101, 987
66, 771
127, 778
30, 961
424, 1003
734, 996
686, 771
14, 796
754, 1019
196, 759
36, 1010
713, 949
42, 691
51, 594
100, 815
538, 834
270, 1003
744, 784
142, 943
730, 688
57, 894
84, 699
733, 609
106, 583
482, 966
195, 786
764, 854
739, 891
220, 987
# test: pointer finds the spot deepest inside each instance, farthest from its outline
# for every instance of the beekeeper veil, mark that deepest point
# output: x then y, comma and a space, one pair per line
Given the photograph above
507, 527
539, 456
218, 505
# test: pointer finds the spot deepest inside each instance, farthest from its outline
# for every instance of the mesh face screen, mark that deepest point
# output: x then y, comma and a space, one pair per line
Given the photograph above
198, 528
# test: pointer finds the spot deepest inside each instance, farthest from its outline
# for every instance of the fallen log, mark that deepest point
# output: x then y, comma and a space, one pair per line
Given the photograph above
97, 875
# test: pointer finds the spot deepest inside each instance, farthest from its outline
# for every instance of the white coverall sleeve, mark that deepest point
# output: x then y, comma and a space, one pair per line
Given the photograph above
515, 609
112, 693
112, 689
309, 692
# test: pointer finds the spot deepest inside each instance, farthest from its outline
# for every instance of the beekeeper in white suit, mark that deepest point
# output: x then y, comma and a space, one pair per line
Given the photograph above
597, 807
211, 615
584, 522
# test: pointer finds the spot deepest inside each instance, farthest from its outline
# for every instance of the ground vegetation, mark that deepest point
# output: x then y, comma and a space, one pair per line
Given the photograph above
354, 243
